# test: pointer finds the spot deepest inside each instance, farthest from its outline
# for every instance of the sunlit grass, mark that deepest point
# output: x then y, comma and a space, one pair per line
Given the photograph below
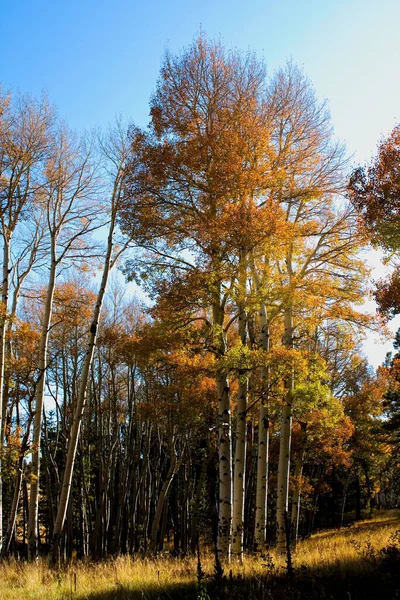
335, 549
328, 551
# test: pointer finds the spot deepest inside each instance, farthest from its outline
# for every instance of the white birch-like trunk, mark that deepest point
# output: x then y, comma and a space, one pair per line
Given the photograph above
224, 536
224, 540
82, 394
297, 497
225, 468
39, 399
3, 328
240, 454
282, 501
263, 445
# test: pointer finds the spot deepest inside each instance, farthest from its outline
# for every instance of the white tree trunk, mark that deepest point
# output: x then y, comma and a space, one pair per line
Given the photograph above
225, 468
284, 447
297, 498
224, 537
39, 398
240, 454
3, 328
82, 393
262, 479
263, 444
297, 493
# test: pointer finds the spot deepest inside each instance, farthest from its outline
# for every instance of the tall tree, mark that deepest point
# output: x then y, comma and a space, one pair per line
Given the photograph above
25, 138
115, 151
67, 209
193, 198
375, 192
320, 275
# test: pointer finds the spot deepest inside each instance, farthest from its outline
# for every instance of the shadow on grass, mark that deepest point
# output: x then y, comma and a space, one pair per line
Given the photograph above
344, 582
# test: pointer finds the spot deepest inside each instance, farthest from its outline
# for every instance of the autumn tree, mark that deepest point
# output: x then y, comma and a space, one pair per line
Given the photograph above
65, 204
21, 377
363, 404
322, 428
163, 417
318, 277
25, 139
193, 198
391, 396
375, 192
115, 150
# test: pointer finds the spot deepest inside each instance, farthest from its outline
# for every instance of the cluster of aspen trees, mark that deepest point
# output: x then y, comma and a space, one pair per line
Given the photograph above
234, 409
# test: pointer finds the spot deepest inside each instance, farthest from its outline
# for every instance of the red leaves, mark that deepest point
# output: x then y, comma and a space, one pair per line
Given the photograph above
387, 294
375, 192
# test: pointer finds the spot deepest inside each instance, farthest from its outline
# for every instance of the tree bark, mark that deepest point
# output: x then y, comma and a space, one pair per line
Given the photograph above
39, 399
240, 453
3, 328
343, 502
297, 494
225, 440
282, 503
82, 394
225, 468
263, 444
194, 536
163, 496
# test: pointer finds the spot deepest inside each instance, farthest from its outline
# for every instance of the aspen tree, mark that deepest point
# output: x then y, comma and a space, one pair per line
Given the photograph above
194, 192
282, 500
263, 440
261, 275
163, 493
68, 214
115, 152
298, 473
25, 137
240, 446
321, 275
375, 193
226, 158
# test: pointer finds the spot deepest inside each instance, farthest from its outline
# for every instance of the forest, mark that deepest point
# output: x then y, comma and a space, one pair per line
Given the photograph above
224, 409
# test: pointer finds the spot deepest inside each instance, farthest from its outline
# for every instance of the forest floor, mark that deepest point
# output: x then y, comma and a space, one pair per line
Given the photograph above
359, 562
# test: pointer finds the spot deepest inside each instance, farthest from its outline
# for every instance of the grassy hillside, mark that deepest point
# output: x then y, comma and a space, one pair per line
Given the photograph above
361, 561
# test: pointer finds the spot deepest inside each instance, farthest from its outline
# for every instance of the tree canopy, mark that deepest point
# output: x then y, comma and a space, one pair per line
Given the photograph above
233, 407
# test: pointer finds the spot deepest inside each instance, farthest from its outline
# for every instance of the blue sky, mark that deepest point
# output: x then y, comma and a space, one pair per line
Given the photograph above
100, 59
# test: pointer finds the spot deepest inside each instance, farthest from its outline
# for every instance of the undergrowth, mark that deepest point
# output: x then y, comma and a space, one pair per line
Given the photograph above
356, 563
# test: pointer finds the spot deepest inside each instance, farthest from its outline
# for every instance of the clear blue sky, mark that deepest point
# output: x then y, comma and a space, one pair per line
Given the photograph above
97, 59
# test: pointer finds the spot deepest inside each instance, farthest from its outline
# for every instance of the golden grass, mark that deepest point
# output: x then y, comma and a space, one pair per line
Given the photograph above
329, 551
334, 548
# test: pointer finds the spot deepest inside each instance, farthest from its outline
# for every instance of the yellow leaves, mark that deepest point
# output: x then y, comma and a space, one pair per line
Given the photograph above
3, 313
387, 449
32, 478
300, 483
73, 304
87, 269
241, 359
281, 361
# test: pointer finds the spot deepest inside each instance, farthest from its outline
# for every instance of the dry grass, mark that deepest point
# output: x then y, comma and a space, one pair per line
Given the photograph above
334, 553
336, 549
